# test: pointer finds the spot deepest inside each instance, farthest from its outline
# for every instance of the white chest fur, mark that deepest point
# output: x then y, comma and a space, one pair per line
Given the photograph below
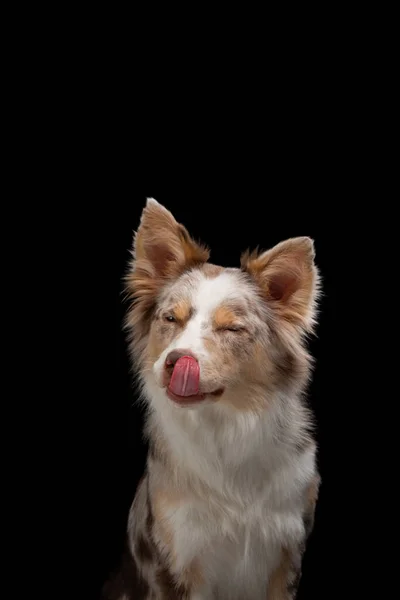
236, 551
257, 486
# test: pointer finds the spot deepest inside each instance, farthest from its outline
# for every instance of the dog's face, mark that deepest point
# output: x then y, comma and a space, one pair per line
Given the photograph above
208, 334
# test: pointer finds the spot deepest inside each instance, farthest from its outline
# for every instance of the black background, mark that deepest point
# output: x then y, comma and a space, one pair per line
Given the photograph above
302, 167
275, 143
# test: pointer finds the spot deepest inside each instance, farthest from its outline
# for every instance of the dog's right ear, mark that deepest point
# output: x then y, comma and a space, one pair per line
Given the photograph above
162, 250
162, 247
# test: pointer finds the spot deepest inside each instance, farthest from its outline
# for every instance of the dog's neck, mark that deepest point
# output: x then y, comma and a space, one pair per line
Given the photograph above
216, 444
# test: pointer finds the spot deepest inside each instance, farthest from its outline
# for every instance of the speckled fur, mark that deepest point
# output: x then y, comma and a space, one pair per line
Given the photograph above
227, 502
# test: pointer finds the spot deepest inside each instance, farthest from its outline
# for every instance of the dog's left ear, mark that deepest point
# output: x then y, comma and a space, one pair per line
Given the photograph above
288, 279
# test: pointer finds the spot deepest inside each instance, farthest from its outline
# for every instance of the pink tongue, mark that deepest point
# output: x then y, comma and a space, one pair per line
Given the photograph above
185, 377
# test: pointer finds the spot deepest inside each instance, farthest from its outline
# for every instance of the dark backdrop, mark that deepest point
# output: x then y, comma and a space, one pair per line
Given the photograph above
248, 161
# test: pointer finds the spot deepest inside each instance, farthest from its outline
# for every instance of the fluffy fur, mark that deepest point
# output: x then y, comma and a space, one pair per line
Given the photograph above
228, 498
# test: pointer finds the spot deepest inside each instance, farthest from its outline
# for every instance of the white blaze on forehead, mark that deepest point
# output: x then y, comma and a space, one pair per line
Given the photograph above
210, 293
205, 295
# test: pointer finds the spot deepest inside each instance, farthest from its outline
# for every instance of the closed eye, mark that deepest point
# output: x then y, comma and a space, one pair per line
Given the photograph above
233, 328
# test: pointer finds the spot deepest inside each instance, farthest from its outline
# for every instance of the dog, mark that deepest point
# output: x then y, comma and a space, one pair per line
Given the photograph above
227, 502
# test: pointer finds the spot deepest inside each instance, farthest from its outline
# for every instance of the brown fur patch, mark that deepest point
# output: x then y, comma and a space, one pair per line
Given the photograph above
313, 491
224, 317
182, 311
278, 585
195, 254
309, 514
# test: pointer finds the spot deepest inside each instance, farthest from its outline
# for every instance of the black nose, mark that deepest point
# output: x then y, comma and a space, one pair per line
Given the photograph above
175, 355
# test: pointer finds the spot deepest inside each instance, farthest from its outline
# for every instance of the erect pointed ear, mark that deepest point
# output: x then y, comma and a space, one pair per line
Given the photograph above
163, 247
288, 279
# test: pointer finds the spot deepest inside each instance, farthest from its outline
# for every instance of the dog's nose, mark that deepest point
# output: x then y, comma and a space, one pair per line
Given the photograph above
175, 355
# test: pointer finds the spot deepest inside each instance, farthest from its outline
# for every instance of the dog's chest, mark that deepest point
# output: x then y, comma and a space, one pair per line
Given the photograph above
234, 550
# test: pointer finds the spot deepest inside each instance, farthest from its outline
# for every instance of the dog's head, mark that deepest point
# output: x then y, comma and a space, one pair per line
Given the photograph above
204, 333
